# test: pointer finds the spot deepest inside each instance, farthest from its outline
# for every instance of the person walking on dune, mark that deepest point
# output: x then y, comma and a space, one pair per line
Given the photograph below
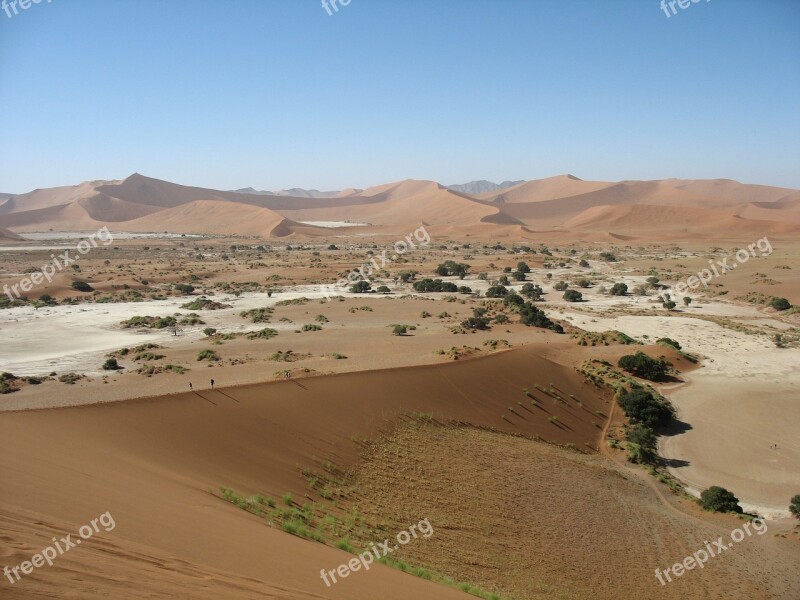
190, 387
212, 384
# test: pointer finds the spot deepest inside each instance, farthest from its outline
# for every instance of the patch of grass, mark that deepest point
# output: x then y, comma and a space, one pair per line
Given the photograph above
262, 334
70, 378
293, 302
209, 355
257, 315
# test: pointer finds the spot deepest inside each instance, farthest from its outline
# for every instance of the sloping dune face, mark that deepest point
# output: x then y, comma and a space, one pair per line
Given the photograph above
50, 197
214, 216
5, 234
666, 221
151, 464
406, 204
538, 190
145, 190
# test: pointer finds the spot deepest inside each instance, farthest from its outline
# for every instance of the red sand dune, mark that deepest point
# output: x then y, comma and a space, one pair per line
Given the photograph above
151, 462
546, 206
215, 216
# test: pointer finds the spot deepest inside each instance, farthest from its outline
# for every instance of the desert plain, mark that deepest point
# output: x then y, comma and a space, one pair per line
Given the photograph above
340, 416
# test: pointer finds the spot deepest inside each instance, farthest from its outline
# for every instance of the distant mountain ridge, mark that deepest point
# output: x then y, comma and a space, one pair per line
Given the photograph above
296, 193
483, 186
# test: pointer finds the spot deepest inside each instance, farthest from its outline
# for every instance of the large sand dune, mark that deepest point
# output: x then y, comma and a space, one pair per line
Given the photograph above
626, 210
151, 463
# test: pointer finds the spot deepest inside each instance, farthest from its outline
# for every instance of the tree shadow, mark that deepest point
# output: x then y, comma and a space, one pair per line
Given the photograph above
675, 427
674, 463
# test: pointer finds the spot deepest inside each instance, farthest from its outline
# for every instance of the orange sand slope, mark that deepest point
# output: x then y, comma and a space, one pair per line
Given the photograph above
682, 209
151, 462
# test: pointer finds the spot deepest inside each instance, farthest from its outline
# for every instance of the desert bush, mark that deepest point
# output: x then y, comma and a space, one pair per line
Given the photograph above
643, 366
496, 291
435, 285
618, 289
668, 342
208, 355
780, 304
257, 315
640, 406
794, 506
533, 317
82, 286
360, 287
573, 296
718, 499
642, 442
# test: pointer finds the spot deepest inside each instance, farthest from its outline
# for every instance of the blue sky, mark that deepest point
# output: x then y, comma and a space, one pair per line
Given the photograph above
277, 93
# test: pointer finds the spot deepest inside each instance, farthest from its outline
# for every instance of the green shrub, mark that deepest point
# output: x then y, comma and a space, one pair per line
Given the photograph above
794, 507
668, 342
533, 317
643, 366
360, 287
208, 355
642, 442
718, 499
82, 286
111, 365
262, 334
641, 407
618, 289
257, 315
780, 304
